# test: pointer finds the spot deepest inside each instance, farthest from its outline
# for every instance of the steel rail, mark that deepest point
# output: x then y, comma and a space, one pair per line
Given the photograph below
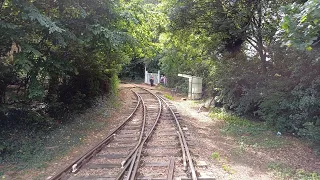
184, 146
135, 163
183, 151
193, 172
79, 162
125, 163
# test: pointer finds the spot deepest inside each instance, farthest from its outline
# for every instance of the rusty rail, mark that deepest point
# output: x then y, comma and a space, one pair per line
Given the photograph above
186, 148
134, 166
131, 163
79, 162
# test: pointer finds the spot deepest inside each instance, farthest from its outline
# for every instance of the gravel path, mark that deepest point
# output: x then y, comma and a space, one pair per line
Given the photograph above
251, 163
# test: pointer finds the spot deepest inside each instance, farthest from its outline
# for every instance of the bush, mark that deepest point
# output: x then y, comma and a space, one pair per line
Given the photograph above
287, 97
311, 132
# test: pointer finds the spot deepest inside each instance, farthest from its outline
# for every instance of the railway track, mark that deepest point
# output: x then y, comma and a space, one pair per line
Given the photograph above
149, 144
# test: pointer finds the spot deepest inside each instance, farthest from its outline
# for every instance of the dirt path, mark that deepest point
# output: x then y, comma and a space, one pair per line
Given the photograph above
229, 159
225, 157
92, 137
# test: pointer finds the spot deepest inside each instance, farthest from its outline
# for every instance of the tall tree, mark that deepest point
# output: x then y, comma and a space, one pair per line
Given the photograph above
76, 44
236, 22
300, 24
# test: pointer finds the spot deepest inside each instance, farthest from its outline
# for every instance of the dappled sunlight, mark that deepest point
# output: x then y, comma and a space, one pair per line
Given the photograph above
195, 113
244, 156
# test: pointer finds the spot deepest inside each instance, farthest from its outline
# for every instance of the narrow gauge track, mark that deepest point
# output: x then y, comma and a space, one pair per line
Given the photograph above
112, 151
164, 152
149, 144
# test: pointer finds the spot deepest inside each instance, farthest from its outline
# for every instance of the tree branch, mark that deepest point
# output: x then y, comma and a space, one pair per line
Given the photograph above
254, 21
251, 39
255, 46
1, 4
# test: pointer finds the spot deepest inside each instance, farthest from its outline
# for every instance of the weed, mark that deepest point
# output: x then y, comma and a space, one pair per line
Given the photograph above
255, 134
168, 97
227, 168
241, 149
160, 87
272, 143
215, 155
283, 171
34, 147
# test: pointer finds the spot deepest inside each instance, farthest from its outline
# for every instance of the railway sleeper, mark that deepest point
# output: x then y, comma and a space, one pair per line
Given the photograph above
112, 156
167, 130
155, 164
170, 146
125, 139
128, 131
103, 166
121, 141
132, 127
162, 154
92, 178
170, 133
162, 150
127, 135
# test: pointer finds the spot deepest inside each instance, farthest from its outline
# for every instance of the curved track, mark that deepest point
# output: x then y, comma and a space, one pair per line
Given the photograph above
149, 144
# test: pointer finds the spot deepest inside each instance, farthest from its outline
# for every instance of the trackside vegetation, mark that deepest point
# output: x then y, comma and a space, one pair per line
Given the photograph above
258, 59
56, 59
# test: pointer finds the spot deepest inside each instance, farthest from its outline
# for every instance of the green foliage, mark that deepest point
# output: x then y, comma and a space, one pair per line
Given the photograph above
133, 71
236, 125
285, 98
35, 140
301, 23
56, 57
248, 133
235, 47
283, 171
310, 131
61, 52
168, 97
227, 168
114, 85
215, 155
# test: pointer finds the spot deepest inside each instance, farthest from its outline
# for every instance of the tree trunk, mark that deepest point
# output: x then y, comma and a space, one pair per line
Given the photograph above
263, 57
53, 88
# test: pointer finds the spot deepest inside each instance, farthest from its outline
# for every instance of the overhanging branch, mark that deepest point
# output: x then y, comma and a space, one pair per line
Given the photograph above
251, 43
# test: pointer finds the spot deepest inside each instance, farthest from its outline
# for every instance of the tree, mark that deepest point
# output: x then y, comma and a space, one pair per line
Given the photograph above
300, 24
233, 22
63, 46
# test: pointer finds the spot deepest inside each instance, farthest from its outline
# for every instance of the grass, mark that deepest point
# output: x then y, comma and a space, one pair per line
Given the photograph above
257, 135
240, 150
248, 133
227, 168
168, 97
282, 171
215, 155
29, 149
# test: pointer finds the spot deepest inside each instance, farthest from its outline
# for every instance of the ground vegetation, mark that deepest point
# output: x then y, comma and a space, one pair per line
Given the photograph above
259, 59
56, 59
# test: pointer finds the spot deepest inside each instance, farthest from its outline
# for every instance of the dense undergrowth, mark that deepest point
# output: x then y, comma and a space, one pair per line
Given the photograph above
257, 135
242, 56
56, 58
285, 97
249, 133
35, 143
